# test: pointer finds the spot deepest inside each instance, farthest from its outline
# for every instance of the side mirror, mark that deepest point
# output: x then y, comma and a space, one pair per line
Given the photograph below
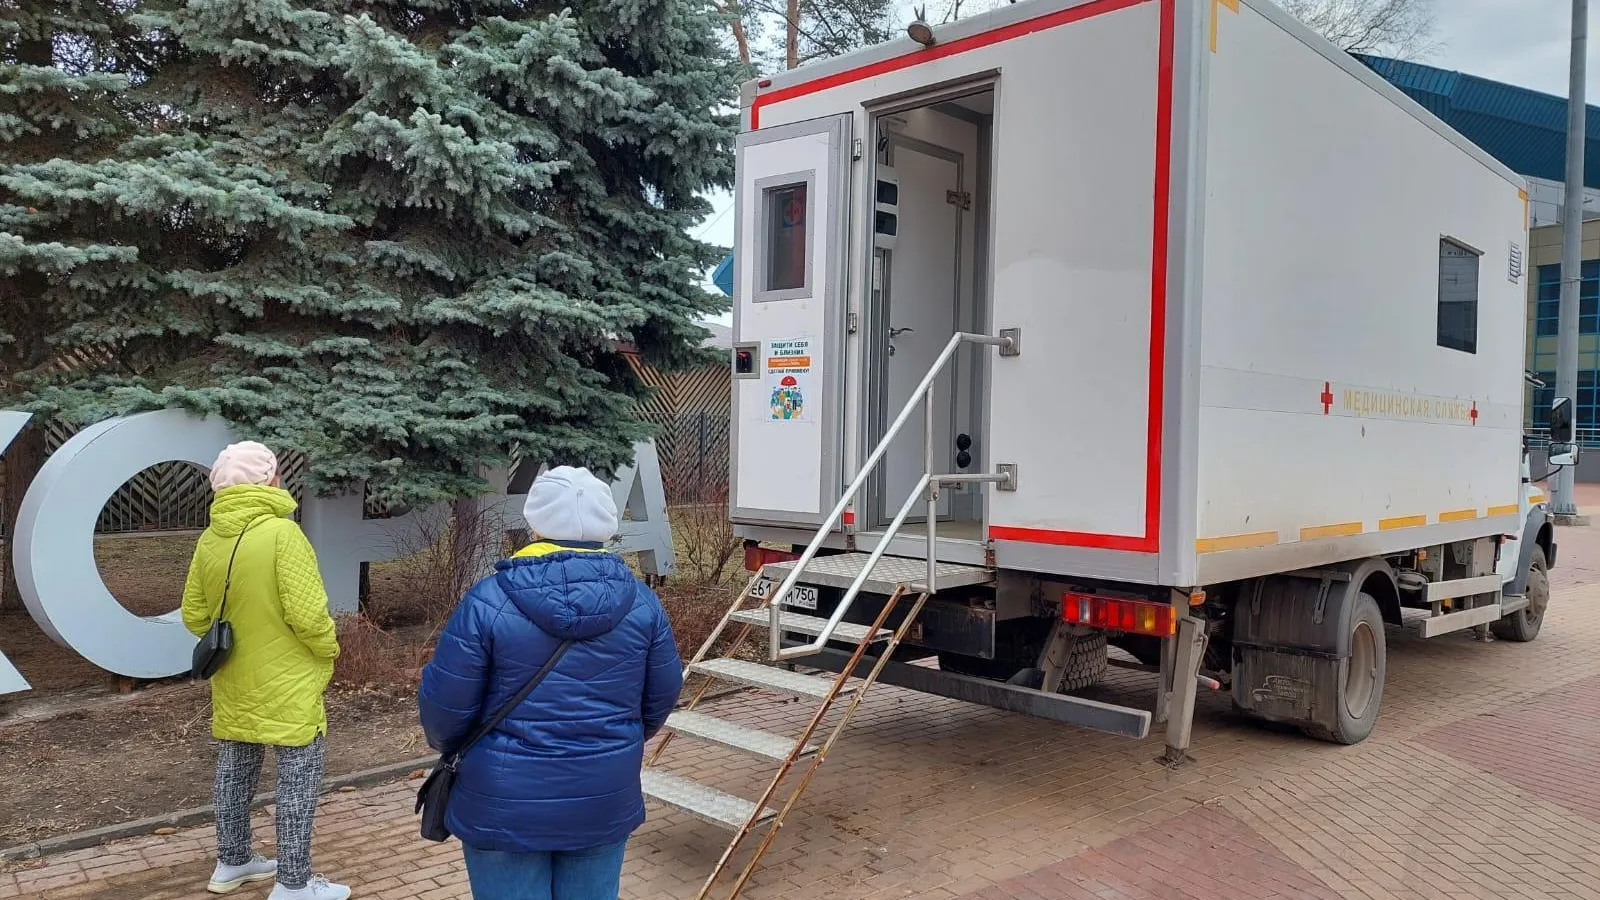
1560, 421
1562, 455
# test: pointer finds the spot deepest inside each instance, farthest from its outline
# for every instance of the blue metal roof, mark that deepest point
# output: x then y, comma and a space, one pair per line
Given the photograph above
1525, 130
722, 276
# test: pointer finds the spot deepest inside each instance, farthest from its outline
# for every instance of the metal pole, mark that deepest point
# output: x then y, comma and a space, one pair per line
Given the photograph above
933, 497
1564, 503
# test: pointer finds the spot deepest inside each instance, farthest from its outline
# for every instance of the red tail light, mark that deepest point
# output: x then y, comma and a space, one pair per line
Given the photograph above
756, 556
1119, 614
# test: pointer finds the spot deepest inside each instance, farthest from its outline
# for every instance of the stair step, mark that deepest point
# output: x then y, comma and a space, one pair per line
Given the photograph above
704, 803
891, 571
812, 625
773, 679
721, 731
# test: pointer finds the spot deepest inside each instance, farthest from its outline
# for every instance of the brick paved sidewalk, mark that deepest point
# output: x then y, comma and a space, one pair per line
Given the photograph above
1478, 783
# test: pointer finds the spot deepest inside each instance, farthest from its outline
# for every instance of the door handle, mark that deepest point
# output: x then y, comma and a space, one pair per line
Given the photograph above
894, 333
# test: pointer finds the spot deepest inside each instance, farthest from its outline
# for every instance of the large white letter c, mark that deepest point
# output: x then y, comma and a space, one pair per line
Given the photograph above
54, 543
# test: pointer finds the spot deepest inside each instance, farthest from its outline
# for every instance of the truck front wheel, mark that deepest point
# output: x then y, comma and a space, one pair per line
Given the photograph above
1523, 625
1360, 677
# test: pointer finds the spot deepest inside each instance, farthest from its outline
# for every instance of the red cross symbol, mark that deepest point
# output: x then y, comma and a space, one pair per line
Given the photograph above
1474, 412
1326, 398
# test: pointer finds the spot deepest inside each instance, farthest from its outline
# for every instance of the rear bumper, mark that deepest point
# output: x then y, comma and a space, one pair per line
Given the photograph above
1119, 720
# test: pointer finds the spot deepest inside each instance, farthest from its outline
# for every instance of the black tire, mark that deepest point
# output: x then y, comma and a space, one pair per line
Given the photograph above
1361, 675
1523, 625
1085, 666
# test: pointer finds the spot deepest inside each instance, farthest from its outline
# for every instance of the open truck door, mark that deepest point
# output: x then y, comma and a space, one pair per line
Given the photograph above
789, 284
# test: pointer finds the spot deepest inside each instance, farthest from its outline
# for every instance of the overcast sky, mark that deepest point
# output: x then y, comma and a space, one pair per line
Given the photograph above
1521, 42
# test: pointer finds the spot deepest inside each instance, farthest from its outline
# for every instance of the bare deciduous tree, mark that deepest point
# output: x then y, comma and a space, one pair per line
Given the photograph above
1397, 28
783, 34
951, 10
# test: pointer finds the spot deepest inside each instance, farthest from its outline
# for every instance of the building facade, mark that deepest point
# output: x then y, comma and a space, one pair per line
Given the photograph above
1526, 130
1544, 304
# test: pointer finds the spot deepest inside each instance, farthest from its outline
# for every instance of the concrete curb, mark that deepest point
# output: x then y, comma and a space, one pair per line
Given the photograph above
200, 815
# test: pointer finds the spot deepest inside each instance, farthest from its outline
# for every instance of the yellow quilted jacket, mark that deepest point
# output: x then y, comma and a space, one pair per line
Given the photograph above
270, 689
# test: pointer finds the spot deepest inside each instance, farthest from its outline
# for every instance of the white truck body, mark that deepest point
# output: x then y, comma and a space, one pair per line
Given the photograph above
1214, 343
1223, 242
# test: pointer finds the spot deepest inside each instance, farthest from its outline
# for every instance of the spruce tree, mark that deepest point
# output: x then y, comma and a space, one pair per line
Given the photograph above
75, 271
405, 237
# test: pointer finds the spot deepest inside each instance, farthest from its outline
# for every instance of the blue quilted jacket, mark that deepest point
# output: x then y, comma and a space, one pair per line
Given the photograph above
562, 771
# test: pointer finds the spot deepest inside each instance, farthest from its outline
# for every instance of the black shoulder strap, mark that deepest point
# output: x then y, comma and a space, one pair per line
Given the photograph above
505, 709
227, 581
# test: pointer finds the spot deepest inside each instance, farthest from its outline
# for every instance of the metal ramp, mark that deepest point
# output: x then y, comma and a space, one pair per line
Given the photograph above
886, 575
738, 814
908, 583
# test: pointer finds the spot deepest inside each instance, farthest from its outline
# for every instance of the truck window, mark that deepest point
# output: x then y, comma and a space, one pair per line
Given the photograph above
785, 224
1458, 296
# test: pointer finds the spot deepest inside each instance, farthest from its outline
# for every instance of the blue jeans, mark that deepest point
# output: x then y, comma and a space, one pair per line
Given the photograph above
592, 874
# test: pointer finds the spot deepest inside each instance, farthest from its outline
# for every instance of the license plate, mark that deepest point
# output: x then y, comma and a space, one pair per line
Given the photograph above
800, 596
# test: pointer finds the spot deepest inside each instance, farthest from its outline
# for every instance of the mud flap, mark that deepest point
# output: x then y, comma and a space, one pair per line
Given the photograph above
1291, 633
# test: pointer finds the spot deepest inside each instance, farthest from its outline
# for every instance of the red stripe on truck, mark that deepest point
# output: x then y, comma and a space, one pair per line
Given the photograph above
1160, 234
1150, 541
920, 55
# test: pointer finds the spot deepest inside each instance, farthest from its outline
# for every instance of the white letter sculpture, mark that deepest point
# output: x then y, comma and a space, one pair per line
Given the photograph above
53, 548
11, 424
54, 543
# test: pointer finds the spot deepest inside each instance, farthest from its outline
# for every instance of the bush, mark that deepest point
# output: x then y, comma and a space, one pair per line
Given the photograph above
710, 561
371, 658
439, 560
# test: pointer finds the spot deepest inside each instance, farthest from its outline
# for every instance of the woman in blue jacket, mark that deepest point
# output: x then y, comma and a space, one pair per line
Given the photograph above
545, 803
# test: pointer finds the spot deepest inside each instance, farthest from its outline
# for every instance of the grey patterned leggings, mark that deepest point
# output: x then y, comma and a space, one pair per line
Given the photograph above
299, 778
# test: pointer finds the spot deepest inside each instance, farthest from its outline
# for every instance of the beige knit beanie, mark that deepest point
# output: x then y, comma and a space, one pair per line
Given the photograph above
243, 463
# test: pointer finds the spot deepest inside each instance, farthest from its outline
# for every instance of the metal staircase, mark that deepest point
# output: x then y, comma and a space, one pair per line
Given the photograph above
907, 583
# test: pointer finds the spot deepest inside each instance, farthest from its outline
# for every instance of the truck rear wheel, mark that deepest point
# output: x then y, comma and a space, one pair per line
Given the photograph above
1360, 677
1523, 625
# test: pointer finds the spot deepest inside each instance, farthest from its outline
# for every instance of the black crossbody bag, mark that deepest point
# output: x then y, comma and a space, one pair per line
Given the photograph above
217, 643
434, 795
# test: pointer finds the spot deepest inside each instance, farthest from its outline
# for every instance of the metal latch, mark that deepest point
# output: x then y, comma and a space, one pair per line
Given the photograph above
962, 199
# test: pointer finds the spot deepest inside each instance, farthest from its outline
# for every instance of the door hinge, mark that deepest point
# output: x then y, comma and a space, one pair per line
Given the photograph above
852, 323
857, 149
962, 199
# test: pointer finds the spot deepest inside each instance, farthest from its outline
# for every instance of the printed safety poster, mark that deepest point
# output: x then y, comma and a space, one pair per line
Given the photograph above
789, 379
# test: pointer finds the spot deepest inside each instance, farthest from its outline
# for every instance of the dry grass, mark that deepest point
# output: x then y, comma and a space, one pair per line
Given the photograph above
374, 659
435, 564
694, 610
710, 570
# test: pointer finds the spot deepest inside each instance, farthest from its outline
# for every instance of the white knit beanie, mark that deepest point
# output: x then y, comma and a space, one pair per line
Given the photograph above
243, 463
568, 504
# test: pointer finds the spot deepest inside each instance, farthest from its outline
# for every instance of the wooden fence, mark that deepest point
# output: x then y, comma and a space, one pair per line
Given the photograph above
690, 411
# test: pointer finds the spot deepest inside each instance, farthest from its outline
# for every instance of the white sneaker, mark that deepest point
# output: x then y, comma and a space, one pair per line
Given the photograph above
318, 888
227, 879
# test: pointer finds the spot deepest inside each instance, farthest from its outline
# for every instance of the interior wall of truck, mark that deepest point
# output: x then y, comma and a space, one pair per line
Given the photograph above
930, 217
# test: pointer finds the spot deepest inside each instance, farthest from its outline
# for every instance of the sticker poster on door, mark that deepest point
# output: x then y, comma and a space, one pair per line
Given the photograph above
789, 379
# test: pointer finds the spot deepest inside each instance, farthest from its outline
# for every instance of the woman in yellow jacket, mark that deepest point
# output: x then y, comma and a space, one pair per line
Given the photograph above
269, 691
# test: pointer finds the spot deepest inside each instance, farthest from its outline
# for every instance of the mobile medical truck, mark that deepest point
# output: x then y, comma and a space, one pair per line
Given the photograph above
1156, 324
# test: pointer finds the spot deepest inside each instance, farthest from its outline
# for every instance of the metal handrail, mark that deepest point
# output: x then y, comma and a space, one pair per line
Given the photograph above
1586, 437
928, 482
